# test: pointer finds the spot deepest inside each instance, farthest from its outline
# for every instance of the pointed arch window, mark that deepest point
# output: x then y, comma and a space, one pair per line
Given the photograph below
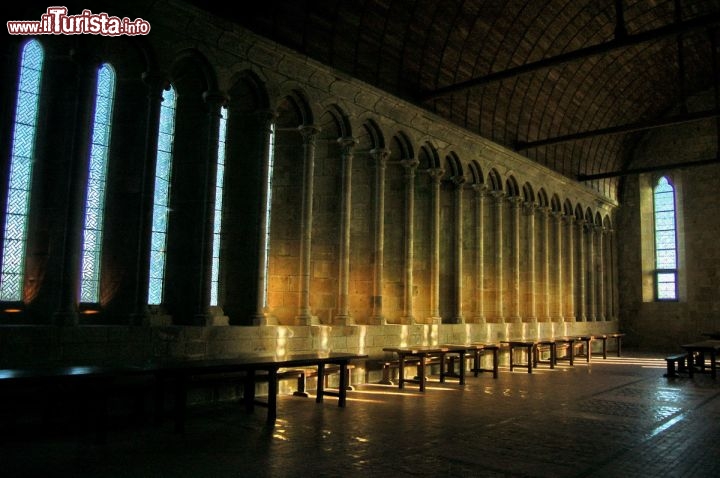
666, 261
20, 175
161, 198
217, 221
268, 210
95, 198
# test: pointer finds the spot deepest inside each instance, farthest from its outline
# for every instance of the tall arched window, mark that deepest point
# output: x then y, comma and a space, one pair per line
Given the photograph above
21, 168
95, 199
161, 199
268, 210
217, 221
666, 273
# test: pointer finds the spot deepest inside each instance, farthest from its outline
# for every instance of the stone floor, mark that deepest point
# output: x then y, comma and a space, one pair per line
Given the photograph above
612, 418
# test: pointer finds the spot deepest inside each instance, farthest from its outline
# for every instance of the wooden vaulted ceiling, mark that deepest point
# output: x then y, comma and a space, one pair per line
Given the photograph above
542, 77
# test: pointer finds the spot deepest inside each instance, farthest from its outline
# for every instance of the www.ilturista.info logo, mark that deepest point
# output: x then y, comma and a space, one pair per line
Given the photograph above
57, 22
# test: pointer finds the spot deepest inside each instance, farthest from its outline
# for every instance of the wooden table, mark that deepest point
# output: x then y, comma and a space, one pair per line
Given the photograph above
709, 347
604, 337
528, 345
482, 348
462, 351
587, 340
181, 372
422, 352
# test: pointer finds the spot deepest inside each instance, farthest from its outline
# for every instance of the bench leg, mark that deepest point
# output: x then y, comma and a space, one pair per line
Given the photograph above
301, 386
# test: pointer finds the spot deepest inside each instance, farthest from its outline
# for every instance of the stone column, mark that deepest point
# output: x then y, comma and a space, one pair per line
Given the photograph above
343, 315
262, 314
206, 208
570, 258
381, 157
410, 166
480, 194
499, 200
435, 175
309, 133
530, 209
582, 261
558, 265
515, 205
590, 273
155, 84
601, 314
546, 262
613, 276
458, 181
87, 67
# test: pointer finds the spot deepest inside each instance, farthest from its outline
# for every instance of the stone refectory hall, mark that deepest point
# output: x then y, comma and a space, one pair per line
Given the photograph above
289, 180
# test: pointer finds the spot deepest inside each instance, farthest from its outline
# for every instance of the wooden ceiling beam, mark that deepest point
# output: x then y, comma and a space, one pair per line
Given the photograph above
620, 42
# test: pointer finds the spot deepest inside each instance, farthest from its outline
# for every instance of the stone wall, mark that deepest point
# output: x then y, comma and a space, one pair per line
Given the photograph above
450, 237
665, 325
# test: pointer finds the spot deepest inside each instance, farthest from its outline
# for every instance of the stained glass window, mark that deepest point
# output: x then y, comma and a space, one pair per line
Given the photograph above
21, 167
161, 199
95, 200
217, 222
665, 241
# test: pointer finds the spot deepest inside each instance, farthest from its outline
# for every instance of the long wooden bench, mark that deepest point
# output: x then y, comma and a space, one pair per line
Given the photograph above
303, 374
676, 363
390, 367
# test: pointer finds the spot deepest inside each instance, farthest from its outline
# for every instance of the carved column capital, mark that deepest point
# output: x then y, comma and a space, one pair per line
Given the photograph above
347, 145
515, 201
480, 189
380, 155
458, 181
436, 174
410, 163
309, 133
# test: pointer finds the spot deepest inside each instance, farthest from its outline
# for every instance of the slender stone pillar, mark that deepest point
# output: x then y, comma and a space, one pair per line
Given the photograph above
499, 310
262, 314
206, 208
480, 194
309, 134
601, 278
459, 181
591, 271
613, 276
558, 266
381, 157
515, 205
570, 258
582, 262
87, 67
546, 263
410, 166
155, 84
435, 175
530, 209
343, 316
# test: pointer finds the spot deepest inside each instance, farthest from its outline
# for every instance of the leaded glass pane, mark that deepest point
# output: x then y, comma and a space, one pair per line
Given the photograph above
666, 285
97, 178
20, 180
217, 222
665, 220
665, 240
23, 140
161, 197
667, 259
